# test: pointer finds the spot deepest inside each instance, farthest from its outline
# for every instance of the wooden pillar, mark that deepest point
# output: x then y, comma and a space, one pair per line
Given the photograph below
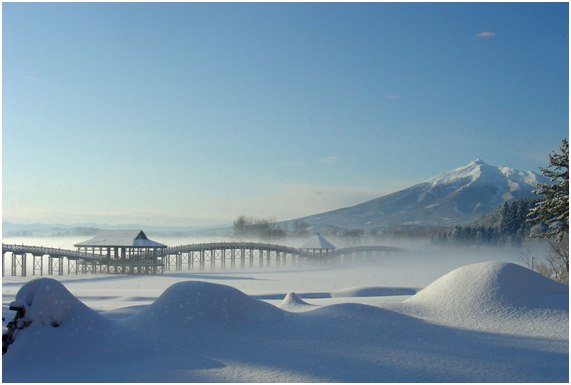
251, 257
50, 265
17, 260
38, 264
178, 257
242, 257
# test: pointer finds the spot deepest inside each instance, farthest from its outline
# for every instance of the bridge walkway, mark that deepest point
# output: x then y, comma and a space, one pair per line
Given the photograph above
218, 255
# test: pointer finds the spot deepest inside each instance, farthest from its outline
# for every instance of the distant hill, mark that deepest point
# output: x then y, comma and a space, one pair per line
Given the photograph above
457, 197
10, 229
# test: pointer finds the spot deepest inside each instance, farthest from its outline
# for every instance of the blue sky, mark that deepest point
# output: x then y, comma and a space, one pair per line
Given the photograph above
196, 113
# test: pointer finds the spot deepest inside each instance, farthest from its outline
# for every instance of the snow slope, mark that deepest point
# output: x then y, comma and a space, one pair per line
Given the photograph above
203, 332
455, 197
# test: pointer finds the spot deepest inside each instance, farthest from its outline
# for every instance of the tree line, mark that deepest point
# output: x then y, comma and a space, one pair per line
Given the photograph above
507, 225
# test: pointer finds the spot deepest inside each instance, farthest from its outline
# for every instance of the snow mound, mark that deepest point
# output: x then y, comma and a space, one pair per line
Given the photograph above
293, 302
372, 291
491, 287
48, 303
195, 302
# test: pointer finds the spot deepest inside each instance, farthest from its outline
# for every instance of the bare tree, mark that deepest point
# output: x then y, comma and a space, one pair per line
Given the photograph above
558, 260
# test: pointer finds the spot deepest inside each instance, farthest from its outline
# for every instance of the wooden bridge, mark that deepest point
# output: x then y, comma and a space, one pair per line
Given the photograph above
220, 255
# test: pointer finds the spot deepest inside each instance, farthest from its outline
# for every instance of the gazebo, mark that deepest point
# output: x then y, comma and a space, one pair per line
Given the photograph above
318, 245
121, 245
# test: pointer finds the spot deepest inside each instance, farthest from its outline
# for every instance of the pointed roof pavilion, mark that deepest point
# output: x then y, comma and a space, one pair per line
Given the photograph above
120, 238
317, 242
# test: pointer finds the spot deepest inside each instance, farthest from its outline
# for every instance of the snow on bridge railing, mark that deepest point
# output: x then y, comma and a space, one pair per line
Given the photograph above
52, 251
267, 246
36, 250
228, 245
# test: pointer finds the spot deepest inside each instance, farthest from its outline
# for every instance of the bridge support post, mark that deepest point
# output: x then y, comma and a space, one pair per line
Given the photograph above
38, 264
19, 260
187, 260
191, 260
57, 263
14, 264
242, 257
69, 264
178, 261
167, 263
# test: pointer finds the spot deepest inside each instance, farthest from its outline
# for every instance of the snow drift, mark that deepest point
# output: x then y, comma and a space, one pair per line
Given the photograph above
48, 303
293, 302
495, 294
204, 332
489, 287
195, 303
358, 291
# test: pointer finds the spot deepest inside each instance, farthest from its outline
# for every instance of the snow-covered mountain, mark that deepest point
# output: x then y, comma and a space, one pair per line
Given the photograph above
456, 197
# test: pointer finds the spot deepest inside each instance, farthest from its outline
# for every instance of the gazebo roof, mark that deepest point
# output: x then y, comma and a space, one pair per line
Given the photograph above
318, 241
120, 238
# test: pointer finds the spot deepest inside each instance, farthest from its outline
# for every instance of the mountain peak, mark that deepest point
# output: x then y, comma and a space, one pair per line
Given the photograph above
478, 162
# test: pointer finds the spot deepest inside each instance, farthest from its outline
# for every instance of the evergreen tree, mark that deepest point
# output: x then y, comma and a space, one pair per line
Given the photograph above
553, 208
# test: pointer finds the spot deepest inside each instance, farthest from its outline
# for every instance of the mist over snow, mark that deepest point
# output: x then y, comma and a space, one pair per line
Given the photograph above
492, 321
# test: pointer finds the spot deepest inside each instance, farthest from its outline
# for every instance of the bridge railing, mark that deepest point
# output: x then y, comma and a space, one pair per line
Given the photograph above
229, 245
52, 251
269, 246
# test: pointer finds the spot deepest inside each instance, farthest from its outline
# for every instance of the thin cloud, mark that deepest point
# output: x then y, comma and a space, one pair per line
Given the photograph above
486, 35
392, 97
329, 160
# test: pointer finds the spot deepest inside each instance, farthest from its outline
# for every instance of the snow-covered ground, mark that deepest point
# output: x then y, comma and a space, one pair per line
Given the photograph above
473, 321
